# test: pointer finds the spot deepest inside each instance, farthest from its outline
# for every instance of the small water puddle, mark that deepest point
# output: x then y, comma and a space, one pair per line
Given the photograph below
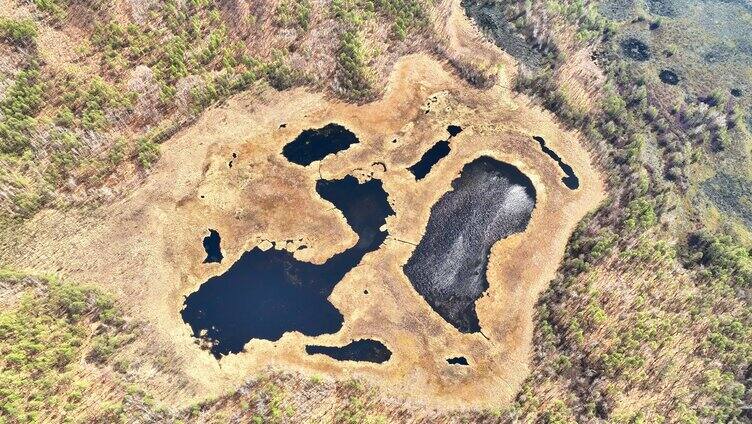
315, 144
364, 350
570, 180
458, 360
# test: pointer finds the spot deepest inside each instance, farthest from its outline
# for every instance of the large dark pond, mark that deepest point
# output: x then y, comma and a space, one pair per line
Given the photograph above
364, 350
267, 293
490, 200
570, 179
315, 144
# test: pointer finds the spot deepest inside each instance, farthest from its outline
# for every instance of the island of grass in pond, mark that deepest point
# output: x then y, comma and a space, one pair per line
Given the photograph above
211, 246
315, 144
490, 200
364, 350
267, 293
570, 180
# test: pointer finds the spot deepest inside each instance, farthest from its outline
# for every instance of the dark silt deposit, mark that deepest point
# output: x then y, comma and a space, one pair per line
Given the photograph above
211, 246
267, 293
570, 180
459, 360
430, 158
635, 49
490, 200
365, 350
315, 144
668, 76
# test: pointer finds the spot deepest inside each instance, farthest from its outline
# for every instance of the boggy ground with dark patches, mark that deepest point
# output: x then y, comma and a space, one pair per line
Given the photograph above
635, 49
267, 293
489, 201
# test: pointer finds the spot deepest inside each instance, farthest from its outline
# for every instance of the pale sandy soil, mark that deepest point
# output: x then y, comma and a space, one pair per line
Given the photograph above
146, 247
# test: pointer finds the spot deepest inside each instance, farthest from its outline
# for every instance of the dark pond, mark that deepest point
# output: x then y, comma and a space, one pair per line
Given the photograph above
430, 158
315, 144
265, 294
365, 350
211, 246
668, 76
453, 130
635, 49
459, 360
570, 180
490, 200
736, 92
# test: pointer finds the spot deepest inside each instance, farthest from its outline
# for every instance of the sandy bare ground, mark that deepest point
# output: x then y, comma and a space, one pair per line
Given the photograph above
146, 247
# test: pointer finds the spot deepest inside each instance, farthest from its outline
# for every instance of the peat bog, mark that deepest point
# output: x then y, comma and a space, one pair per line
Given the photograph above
489, 201
669, 77
364, 350
635, 49
570, 180
315, 144
211, 246
267, 293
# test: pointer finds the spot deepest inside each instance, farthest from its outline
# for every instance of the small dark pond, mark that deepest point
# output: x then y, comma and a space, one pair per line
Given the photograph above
211, 246
267, 293
736, 92
570, 180
668, 76
315, 144
453, 130
365, 350
490, 200
459, 360
430, 158
635, 49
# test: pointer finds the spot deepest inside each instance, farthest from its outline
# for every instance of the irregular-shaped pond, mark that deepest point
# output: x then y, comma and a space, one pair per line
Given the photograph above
315, 144
490, 200
430, 158
458, 360
364, 350
211, 246
267, 293
570, 180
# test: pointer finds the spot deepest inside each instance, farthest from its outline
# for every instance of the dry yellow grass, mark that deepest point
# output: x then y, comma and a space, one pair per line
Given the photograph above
146, 249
